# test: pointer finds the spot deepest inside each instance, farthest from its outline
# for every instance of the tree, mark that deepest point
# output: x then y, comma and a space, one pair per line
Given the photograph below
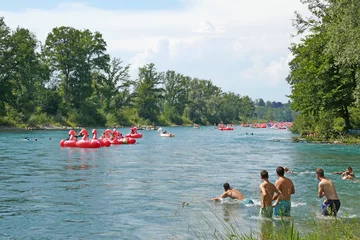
261, 103
112, 86
6, 85
74, 56
148, 92
28, 78
318, 84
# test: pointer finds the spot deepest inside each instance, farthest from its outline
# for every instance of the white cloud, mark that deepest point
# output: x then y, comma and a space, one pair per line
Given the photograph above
238, 44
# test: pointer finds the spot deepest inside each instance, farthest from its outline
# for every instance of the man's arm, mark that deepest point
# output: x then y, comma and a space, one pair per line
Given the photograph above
263, 194
292, 189
338, 172
279, 197
276, 196
321, 192
224, 195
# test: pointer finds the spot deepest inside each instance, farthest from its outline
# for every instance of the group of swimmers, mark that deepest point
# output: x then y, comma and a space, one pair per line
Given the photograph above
281, 192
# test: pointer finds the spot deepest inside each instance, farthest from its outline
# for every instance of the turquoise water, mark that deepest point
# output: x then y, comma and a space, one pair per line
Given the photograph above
159, 188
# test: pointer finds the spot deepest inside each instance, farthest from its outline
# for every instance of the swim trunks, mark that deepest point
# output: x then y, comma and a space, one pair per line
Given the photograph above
247, 201
331, 207
266, 212
283, 208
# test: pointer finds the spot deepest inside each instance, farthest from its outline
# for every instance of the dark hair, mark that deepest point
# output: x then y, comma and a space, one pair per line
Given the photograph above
320, 172
264, 174
280, 171
226, 186
349, 168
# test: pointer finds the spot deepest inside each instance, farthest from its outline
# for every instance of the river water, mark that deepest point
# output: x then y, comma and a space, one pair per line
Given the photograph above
159, 188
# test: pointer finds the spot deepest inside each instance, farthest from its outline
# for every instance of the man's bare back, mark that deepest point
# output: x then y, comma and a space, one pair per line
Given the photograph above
231, 193
286, 186
267, 190
327, 189
234, 194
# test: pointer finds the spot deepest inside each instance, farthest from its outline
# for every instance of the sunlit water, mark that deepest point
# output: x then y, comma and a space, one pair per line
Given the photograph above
159, 188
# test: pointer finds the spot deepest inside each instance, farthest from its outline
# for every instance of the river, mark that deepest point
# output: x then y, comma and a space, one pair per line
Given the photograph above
160, 187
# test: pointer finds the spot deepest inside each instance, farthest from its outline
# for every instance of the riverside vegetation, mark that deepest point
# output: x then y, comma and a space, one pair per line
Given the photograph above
70, 80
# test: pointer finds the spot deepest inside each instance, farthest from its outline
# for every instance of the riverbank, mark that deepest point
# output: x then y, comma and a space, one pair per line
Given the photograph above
48, 127
348, 140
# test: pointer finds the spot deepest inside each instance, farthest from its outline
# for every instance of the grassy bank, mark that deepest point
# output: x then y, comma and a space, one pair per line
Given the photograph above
328, 229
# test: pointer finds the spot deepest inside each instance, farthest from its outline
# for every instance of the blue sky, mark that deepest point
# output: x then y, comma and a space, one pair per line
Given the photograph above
240, 45
135, 5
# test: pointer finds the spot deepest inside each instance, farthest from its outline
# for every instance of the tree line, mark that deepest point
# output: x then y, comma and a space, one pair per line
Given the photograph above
324, 74
71, 80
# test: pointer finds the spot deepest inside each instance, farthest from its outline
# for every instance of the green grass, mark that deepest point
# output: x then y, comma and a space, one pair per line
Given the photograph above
213, 226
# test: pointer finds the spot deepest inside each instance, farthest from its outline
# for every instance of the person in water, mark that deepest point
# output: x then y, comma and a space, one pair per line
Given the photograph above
267, 190
233, 194
287, 170
331, 205
286, 186
348, 174
165, 132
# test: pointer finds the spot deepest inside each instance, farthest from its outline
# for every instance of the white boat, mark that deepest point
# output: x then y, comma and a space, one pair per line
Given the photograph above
166, 135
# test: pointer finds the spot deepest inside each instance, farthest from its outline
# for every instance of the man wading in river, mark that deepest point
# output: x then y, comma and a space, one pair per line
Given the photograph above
331, 205
267, 190
286, 186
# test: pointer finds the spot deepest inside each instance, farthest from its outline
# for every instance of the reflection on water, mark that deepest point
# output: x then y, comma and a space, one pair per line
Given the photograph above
137, 191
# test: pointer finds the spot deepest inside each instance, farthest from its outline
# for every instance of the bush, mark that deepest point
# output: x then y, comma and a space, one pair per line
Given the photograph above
39, 119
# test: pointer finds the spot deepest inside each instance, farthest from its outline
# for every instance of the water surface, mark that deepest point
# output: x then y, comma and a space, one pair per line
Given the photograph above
159, 188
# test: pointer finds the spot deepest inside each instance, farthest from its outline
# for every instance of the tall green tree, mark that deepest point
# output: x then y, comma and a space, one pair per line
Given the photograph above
28, 78
74, 56
112, 86
148, 92
5, 59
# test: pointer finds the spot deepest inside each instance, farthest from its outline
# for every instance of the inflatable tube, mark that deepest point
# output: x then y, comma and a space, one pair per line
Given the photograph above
84, 143
71, 142
166, 135
103, 142
68, 143
134, 135
226, 128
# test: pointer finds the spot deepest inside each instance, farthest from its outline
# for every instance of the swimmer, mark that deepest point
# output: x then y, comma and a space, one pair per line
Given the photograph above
332, 204
233, 194
287, 170
35, 139
348, 174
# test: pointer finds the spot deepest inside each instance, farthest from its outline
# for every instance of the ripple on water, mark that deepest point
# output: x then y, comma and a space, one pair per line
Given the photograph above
138, 191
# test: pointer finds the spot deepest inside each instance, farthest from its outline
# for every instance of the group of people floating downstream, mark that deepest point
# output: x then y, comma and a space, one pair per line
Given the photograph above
107, 138
281, 192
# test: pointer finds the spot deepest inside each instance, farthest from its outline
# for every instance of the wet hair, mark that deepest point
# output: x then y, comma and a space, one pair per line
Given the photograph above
280, 171
226, 186
320, 172
349, 168
264, 174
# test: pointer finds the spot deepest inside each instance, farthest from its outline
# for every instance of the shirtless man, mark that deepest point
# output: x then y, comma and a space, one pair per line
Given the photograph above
286, 186
331, 205
267, 190
232, 193
348, 174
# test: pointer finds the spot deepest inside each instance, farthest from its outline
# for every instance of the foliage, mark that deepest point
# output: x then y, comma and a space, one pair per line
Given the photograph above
324, 72
70, 80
